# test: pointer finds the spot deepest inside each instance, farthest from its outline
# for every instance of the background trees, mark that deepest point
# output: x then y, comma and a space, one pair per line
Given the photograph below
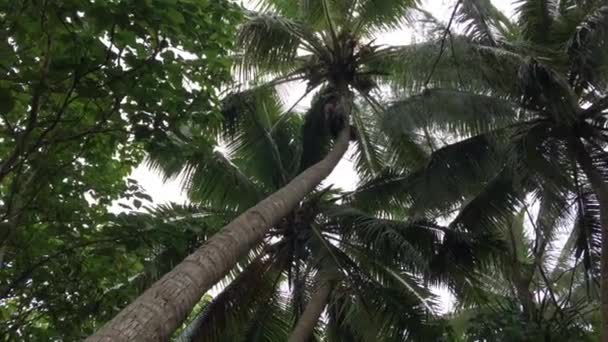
521, 109
84, 86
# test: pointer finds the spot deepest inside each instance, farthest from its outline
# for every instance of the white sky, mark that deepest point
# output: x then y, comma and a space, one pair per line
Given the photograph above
343, 175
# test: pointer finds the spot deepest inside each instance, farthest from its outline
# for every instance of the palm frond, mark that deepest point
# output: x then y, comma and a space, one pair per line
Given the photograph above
452, 111
381, 194
383, 15
492, 208
483, 22
207, 175
536, 18
588, 232
270, 42
259, 150
272, 321
227, 316
312, 12
587, 51
370, 153
409, 244
454, 174
465, 65
397, 304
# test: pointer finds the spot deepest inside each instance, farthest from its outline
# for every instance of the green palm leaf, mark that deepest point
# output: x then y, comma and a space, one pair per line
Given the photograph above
587, 51
207, 175
270, 42
536, 18
451, 111
227, 316
483, 22
383, 15
463, 65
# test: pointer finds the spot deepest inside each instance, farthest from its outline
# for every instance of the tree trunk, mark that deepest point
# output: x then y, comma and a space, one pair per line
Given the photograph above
600, 188
306, 324
160, 310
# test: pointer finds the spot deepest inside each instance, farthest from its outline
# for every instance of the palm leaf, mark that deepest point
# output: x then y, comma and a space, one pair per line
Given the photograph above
206, 175
465, 66
587, 51
451, 111
227, 316
370, 153
536, 18
259, 150
492, 208
383, 15
483, 22
271, 42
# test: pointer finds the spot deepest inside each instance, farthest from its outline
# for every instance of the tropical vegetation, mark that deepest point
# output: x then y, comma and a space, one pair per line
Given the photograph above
478, 148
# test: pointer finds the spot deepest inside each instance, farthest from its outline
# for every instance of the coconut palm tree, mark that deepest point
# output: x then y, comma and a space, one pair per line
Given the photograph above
327, 44
534, 293
368, 271
520, 109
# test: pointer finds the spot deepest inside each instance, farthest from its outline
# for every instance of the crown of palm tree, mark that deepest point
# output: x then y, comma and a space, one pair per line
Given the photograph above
521, 107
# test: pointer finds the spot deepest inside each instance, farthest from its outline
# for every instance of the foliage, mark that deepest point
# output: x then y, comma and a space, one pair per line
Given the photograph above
484, 118
84, 87
320, 237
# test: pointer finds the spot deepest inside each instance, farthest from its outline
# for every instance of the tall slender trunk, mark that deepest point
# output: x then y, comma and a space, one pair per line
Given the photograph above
307, 322
600, 188
160, 310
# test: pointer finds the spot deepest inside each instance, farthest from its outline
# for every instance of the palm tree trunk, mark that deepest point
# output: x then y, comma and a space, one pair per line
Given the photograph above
600, 188
306, 324
160, 310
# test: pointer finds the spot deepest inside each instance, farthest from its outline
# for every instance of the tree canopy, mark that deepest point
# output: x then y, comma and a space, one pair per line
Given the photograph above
479, 151
85, 87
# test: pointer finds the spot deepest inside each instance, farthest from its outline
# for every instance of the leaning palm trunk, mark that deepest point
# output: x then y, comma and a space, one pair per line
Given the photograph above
306, 324
160, 310
600, 188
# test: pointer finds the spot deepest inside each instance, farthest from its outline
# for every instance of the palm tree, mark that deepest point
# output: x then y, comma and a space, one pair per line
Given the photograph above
367, 271
534, 293
521, 108
328, 45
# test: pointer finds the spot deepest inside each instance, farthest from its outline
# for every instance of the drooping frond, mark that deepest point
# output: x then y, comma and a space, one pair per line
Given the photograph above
383, 193
452, 174
483, 22
377, 312
492, 208
261, 139
270, 42
541, 158
383, 15
588, 54
314, 13
387, 240
587, 230
272, 320
536, 18
206, 174
370, 154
